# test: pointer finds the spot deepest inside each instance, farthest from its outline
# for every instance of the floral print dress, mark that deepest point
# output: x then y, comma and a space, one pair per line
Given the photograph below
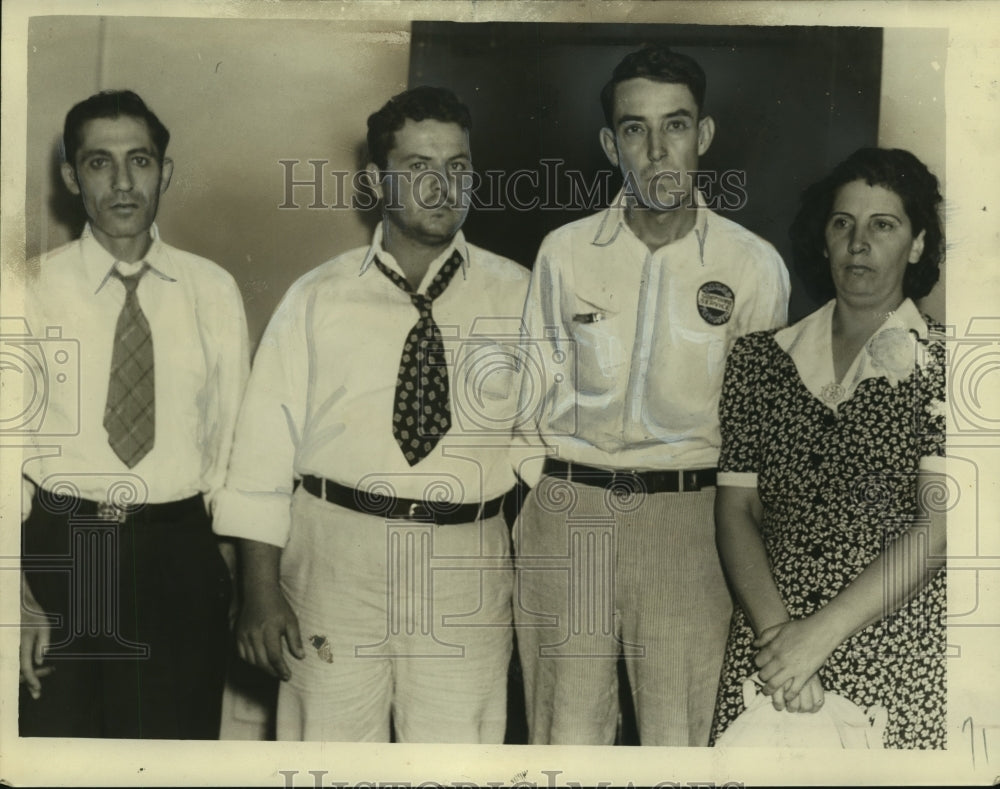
835, 466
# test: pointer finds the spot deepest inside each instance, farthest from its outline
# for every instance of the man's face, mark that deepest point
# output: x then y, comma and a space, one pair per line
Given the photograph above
119, 177
425, 188
656, 141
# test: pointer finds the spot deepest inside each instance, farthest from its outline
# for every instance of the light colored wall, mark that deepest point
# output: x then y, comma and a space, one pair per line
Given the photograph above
237, 96
912, 111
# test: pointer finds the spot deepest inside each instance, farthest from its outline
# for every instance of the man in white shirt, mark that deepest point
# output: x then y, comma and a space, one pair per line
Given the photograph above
126, 594
371, 457
638, 306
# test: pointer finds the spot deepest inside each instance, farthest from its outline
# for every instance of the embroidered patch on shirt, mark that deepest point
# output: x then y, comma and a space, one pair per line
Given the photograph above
715, 302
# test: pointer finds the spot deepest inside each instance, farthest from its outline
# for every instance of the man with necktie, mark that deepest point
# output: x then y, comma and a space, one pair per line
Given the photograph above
125, 590
371, 458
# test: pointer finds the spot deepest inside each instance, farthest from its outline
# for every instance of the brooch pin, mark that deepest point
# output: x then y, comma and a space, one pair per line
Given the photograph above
832, 393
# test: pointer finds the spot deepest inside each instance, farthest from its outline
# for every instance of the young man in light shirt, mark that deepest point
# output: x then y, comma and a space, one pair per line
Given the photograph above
125, 592
372, 455
640, 304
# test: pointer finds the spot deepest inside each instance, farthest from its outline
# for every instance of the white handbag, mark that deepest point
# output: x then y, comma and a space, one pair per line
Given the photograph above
839, 723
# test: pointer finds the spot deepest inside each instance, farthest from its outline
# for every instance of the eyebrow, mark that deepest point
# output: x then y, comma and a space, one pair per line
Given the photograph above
104, 152
425, 158
877, 213
681, 113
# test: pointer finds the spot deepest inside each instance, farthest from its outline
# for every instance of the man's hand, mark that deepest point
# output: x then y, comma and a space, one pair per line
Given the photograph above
265, 620
35, 635
228, 551
790, 655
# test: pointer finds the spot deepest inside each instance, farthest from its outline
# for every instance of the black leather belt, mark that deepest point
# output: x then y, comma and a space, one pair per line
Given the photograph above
646, 481
75, 507
440, 513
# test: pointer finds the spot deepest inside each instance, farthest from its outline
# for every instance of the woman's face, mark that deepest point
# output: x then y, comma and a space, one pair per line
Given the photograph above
870, 242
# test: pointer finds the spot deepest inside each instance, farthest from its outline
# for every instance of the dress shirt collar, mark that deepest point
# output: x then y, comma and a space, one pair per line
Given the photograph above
99, 263
614, 221
376, 248
891, 353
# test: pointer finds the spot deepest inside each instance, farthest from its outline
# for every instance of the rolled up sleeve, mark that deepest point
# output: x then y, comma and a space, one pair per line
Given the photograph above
256, 501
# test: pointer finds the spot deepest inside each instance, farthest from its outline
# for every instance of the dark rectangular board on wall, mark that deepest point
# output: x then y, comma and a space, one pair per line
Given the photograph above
788, 102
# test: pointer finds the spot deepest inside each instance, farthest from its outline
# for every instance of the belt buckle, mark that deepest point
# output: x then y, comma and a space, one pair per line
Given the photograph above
628, 478
106, 511
417, 511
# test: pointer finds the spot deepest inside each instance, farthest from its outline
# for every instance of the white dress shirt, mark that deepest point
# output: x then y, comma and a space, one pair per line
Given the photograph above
201, 361
321, 393
634, 342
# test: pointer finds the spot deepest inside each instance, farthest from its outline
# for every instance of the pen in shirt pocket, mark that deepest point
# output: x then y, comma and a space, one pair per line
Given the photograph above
589, 317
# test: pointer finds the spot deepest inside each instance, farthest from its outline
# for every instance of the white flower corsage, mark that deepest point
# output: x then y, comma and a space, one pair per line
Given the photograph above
893, 352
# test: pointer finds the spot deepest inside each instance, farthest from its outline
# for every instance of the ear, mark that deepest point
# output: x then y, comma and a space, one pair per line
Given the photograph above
166, 173
609, 145
68, 173
917, 247
373, 177
706, 131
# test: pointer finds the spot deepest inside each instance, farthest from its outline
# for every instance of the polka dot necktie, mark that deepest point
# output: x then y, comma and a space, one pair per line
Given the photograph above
421, 413
129, 415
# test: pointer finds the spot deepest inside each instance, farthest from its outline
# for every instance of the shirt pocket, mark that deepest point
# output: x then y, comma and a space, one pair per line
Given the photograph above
684, 379
601, 357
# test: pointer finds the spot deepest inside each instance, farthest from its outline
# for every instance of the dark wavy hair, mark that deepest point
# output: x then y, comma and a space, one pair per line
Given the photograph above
418, 104
659, 63
891, 168
111, 104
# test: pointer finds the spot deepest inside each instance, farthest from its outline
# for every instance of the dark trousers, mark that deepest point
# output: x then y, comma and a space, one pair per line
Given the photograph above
141, 638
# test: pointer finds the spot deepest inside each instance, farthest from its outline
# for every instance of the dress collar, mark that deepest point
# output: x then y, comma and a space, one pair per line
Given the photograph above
613, 221
890, 353
376, 248
99, 264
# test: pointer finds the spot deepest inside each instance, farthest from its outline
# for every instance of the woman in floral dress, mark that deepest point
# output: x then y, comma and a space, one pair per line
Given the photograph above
833, 444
